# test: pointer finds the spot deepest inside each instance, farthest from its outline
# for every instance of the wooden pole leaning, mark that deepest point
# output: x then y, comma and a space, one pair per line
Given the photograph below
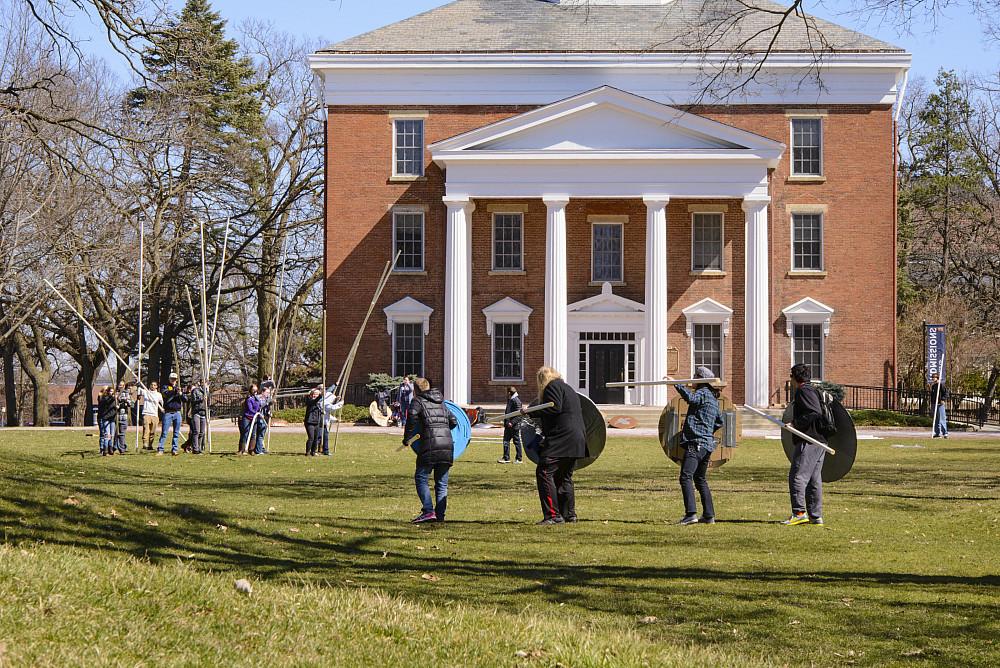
211, 345
142, 248
206, 372
791, 430
652, 383
274, 346
526, 411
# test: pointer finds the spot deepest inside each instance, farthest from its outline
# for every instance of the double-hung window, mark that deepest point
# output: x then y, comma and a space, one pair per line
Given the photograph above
807, 242
408, 239
807, 348
807, 147
408, 349
508, 234
408, 147
508, 348
706, 241
606, 253
707, 348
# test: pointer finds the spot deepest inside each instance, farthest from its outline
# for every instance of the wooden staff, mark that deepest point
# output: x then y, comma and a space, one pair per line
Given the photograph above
142, 239
653, 383
274, 345
524, 411
205, 370
194, 321
792, 430
215, 324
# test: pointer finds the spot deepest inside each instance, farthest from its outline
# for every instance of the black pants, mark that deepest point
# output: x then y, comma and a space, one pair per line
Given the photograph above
695, 467
554, 476
512, 434
314, 438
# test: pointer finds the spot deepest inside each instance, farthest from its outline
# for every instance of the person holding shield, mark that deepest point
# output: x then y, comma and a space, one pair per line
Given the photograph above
703, 419
428, 430
565, 442
805, 477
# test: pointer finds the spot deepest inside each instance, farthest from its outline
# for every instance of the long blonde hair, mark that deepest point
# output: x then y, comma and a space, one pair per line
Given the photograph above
545, 376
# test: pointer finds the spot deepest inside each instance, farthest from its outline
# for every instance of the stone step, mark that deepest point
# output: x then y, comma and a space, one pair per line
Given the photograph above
648, 417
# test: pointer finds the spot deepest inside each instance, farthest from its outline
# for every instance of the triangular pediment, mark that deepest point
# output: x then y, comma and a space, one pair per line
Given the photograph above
606, 302
808, 307
607, 120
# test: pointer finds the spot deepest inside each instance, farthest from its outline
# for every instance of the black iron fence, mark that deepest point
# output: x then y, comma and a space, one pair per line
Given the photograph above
962, 407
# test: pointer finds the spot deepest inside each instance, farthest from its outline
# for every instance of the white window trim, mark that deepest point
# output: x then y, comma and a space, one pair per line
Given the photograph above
808, 311
822, 347
493, 241
423, 346
816, 211
493, 352
408, 311
504, 312
607, 220
409, 210
722, 240
409, 116
708, 312
792, 174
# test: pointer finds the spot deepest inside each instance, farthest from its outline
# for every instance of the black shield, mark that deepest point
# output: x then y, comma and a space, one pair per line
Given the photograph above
594, 427
845, 442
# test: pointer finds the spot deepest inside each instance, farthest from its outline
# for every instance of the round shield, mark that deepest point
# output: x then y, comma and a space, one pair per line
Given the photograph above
845, 442
594, 427
672, 423
378, 417
623, 422
461, 434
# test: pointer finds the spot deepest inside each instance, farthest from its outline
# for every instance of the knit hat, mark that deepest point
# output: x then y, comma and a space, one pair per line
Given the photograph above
703, 372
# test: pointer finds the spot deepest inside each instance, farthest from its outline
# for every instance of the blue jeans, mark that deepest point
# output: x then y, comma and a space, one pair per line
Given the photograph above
259, 436
171, 420
107, 431
421, 477
694, 474
941, 424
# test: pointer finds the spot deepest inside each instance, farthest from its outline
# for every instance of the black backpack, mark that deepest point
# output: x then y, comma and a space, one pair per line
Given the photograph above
826, 424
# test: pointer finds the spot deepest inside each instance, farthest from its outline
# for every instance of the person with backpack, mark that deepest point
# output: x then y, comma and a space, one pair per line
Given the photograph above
703, 419
939, 395
249, 415
805, 477
428, 429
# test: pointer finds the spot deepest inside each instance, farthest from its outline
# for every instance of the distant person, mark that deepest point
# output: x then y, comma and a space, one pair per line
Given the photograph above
248, 418
125, 404
107, 415
430, 422
939, 394
512, 428
197, 400
314, 421
173, 403
267, 384
565, 442
152, 404
805, 477
331, 405
405, 397
703, 419
263, 420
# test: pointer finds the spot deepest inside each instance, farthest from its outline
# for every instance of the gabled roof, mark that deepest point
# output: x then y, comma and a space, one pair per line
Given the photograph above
606, 302
531, 26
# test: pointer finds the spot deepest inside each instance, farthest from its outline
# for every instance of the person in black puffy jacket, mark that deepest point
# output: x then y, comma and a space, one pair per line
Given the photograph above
565, 442
314, 421
430, 422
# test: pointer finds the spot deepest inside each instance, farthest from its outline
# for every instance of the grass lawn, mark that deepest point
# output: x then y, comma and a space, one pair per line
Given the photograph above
131, 560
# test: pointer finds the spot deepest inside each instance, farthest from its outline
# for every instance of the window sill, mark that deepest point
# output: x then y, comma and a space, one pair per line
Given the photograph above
805, 178
805, 274
507, 272
707, 273
501, 383
407, 272
406, 179
614, 284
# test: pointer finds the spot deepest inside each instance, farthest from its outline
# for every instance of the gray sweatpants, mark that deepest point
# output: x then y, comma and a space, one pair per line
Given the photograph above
805, 480
197, 437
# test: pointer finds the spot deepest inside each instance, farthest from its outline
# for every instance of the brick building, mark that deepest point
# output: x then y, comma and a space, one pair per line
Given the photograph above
562, 191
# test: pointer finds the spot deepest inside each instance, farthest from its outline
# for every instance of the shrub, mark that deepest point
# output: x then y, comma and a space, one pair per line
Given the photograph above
349, 414
836, 390
383, 381
883, 418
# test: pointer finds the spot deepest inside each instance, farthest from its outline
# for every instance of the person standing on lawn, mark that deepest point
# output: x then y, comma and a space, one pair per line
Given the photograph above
125, 405
405, 397
152, 405
939, 396
314, 421
263, 420
703, 419
251, 409
565, 442
805, 477
173, 402
430, 423
197, 398
511, 428
107, 414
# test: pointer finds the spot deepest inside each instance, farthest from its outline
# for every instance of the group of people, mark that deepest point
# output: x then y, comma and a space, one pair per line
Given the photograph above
429, 424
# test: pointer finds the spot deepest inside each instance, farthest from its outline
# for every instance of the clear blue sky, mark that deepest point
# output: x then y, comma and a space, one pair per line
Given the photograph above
955, 42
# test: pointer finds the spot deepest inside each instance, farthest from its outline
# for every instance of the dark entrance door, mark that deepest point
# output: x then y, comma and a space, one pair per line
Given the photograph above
606, 365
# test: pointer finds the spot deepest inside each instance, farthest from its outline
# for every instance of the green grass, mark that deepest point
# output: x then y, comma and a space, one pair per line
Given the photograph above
123, 561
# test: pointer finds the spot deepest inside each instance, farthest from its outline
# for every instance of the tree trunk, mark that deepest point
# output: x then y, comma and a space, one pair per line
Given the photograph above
81, 400
9, 385
39, 372
991, 389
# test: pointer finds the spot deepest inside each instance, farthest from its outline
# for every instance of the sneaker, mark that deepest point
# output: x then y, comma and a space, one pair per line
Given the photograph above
175, 454
159, 453
571, 520
688, 519
935, 436
424, 517
551, 520
795, 520
518, 461
706, 520
816, 520
503, 461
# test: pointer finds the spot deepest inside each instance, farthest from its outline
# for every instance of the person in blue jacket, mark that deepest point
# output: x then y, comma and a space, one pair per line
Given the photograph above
703, 419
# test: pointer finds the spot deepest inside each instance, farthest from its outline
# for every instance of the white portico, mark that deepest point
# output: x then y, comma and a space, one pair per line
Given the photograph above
606, 144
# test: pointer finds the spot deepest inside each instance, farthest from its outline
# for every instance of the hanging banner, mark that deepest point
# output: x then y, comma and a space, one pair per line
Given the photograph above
934, 335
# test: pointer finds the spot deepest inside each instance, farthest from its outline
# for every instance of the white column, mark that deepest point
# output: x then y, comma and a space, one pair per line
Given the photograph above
758, 319
456, 383
556, 348
655, 355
